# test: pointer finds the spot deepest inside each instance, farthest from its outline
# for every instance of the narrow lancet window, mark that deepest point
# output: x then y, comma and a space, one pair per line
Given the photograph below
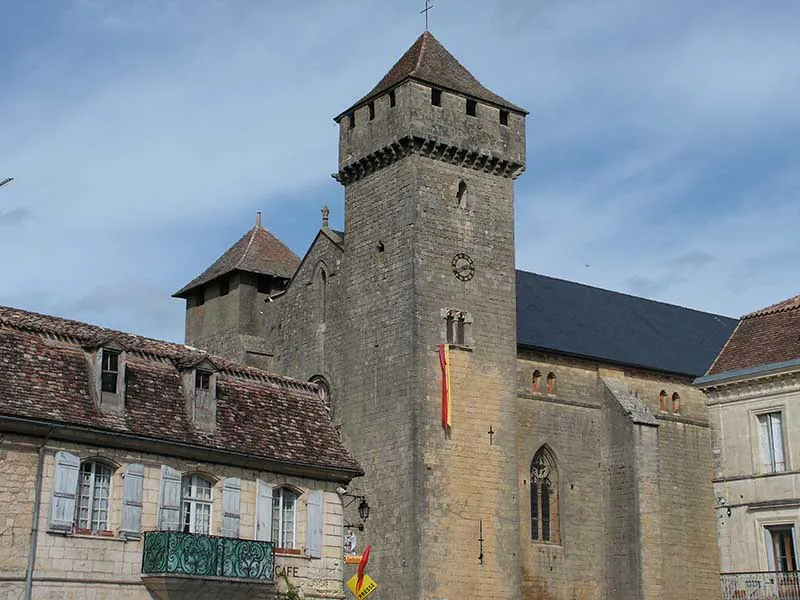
544, 497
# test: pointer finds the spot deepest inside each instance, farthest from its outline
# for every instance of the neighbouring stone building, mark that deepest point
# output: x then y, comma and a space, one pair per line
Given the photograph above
132, 468
522, 436
753, 391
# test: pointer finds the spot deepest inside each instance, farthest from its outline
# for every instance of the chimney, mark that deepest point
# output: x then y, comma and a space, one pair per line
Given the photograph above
258, 219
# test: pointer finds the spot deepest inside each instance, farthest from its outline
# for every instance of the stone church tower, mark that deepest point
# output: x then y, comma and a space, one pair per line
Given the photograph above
427, 159
564, 472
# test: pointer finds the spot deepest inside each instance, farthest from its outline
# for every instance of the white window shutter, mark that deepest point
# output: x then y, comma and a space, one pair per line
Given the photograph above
264, 511
777, 441
169, 504
231, 492
132, 502
65, 491
763, 435
314, 524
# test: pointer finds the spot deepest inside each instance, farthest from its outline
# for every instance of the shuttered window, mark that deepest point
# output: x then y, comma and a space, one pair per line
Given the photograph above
771, 438
196, 505
284, 509
65, 487
231, 494
132, 501
314, 523
94, 493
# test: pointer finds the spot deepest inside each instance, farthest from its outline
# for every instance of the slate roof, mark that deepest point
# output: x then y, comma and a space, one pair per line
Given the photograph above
580, 320
44, 375
767, 336
258, 251
429, 62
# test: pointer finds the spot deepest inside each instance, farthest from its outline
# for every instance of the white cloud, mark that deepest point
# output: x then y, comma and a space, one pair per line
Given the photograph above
145, 134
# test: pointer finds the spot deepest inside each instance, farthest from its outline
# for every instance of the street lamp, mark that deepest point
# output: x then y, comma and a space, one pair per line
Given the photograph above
363, 508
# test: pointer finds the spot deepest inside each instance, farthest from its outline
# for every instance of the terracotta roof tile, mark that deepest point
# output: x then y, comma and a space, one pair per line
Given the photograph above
258, 251
44, 375
766, 336
429, 62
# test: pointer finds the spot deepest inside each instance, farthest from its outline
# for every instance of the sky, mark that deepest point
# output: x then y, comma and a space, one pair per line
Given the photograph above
143, 137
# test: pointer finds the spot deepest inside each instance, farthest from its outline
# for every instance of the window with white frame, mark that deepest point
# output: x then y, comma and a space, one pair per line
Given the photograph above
781, 549
284, 513
94, 492
196, 504
109, 374
770, 432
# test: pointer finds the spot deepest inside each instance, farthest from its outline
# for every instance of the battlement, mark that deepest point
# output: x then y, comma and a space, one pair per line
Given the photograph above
458, 125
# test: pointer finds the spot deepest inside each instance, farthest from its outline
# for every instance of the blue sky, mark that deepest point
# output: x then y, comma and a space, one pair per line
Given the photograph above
143, 136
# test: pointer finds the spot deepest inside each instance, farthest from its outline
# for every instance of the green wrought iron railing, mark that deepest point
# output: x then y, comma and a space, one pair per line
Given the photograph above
167, 552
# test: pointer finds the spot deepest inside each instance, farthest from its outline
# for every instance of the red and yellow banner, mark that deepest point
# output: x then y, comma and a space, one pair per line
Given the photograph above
444, 361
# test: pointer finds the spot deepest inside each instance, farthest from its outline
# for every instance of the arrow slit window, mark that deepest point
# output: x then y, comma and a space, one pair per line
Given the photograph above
544, 497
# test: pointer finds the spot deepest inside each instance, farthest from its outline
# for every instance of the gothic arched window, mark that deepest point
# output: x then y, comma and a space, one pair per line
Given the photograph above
544, 497
322, 291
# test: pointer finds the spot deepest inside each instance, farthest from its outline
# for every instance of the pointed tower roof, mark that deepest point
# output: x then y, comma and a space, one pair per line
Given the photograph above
258, 251
429, 62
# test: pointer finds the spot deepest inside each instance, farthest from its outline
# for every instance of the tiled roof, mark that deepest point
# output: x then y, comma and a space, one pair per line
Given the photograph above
258, 251
44, 375
429, 62
767, 336
580, 320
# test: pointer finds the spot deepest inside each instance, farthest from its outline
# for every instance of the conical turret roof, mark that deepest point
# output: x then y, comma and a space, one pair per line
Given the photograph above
429, 62
258, 251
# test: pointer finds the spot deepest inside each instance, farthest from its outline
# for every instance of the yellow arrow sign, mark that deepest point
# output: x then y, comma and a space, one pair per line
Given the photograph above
368, 586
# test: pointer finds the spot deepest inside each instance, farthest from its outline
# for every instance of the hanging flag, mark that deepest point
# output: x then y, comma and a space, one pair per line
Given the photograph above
444, 361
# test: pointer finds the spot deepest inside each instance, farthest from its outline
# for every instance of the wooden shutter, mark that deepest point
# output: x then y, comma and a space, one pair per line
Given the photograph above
169, 504
132, 502
314, 524
764, 438
65, 491
231, 492
264, 511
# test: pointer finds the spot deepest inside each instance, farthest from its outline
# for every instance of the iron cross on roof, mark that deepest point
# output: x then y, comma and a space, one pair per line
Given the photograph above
424, 11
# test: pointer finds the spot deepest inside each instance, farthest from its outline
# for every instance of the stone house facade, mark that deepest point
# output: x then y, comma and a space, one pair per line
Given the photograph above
753, 391
134, 468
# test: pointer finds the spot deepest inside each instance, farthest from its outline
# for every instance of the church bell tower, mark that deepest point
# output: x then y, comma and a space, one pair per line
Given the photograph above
428, 159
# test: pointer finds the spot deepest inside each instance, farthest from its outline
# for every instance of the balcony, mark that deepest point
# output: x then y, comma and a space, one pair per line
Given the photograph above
188, 565
761, 585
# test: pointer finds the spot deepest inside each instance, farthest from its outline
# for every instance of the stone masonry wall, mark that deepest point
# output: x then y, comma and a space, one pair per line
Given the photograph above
88, 567
641, 525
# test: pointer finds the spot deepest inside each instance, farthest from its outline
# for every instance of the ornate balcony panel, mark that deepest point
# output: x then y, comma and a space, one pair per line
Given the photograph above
761, 585
188, 565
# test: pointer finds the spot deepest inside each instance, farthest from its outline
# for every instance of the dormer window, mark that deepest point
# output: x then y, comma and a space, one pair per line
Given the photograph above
109, 374
202, 380
200, 391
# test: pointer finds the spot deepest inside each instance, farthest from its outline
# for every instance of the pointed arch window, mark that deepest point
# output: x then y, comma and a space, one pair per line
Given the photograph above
544, 497
322, 291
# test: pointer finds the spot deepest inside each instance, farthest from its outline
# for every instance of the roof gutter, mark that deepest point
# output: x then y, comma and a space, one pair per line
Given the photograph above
113, 439
727, 377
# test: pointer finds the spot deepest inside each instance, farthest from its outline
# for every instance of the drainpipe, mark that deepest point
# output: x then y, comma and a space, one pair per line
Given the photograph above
37, 503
